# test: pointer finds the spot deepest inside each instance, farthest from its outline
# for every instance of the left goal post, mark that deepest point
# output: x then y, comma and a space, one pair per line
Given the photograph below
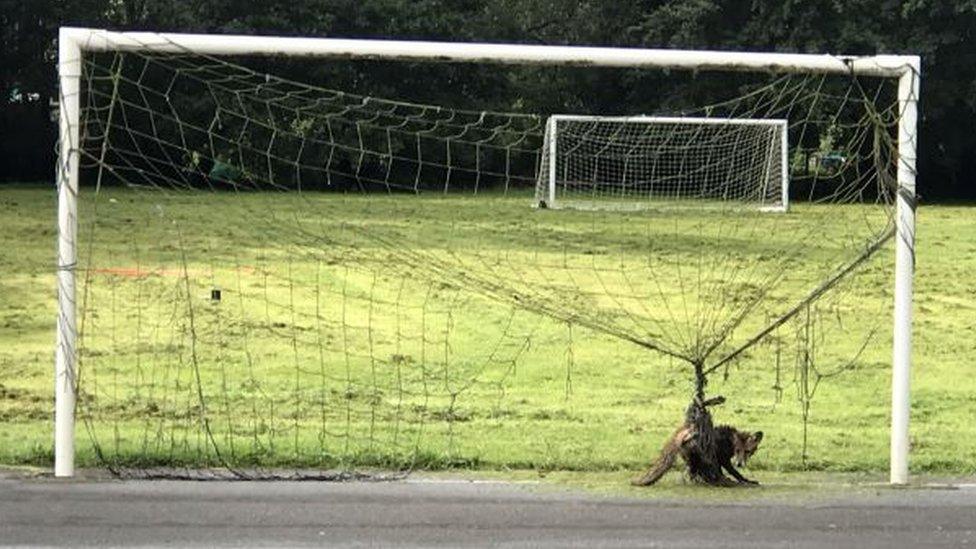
65, 387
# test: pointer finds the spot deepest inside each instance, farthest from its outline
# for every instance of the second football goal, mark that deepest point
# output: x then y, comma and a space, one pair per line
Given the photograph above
634, 162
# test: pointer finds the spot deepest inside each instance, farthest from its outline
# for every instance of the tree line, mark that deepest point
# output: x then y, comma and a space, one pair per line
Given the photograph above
943, 33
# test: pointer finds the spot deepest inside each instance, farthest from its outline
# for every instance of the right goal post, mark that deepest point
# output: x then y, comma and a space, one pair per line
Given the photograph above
632, 162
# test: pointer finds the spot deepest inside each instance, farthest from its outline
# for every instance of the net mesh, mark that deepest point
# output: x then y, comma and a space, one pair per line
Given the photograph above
281, 275
635, 162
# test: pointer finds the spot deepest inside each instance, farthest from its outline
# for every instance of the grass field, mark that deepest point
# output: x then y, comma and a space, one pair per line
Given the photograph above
330, 350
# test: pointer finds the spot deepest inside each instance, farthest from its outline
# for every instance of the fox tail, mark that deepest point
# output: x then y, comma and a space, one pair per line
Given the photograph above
666, 460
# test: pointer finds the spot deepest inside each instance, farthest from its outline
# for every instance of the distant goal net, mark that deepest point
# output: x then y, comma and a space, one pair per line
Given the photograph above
635, 162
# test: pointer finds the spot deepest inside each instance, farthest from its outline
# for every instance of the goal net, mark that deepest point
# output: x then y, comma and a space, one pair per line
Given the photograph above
634, 162
284, 264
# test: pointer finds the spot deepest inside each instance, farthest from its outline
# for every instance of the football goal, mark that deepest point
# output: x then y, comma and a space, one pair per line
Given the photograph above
310, 254
631, 162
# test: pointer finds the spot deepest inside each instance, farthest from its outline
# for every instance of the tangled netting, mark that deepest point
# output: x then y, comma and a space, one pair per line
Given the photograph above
280, 275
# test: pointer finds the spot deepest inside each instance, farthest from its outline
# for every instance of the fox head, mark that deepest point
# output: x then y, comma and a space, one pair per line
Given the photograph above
745, 445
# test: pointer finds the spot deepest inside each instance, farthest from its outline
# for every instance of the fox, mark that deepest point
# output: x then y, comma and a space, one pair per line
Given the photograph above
691, 442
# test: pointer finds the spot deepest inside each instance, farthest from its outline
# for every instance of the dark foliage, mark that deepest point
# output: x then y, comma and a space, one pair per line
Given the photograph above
944, 33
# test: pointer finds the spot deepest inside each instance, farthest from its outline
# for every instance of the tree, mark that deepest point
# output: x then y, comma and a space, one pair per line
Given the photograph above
944, 33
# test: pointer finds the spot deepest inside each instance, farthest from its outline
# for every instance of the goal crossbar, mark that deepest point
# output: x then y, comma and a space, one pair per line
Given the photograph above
519, 54
644, 119
73, 42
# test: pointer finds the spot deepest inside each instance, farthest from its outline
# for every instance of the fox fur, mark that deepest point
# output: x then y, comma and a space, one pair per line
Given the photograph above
707, 450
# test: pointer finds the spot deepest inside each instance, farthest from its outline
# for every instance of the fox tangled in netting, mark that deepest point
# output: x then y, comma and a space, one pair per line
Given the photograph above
706, 449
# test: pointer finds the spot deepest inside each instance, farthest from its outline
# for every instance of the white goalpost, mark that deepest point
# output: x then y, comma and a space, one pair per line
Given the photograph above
586, 161
632, 162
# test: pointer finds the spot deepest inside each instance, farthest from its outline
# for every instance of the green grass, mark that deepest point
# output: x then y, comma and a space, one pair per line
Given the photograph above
347, 334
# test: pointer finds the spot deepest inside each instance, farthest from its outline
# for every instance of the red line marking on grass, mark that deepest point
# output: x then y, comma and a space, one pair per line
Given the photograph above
136, 272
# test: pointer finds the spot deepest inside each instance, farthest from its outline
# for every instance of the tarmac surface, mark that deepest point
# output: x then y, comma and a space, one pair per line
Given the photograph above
424, 513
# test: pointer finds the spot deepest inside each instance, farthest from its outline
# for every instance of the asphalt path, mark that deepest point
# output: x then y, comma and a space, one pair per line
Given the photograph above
424, 513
